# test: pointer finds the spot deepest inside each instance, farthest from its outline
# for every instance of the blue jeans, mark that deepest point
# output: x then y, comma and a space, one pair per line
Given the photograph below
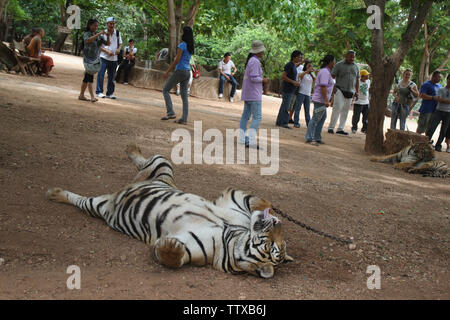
111, 66
233, 82
315, 125
306, 100
400, 112
181, 77
283, 113
253, 109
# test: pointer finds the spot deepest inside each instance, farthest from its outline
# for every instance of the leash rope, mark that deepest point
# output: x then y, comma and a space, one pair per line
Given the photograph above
309, 228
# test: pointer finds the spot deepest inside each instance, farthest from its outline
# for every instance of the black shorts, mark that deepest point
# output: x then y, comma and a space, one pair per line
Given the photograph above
88, 78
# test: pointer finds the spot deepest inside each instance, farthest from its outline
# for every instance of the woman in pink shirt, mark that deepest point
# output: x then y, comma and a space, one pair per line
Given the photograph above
252, 95
321, 99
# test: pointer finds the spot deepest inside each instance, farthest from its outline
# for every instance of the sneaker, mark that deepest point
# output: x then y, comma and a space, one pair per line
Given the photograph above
220, 95
291, 121
438, 148
111, 97
448, 149
331, 131
125, 83
311, 142
296, 125
320, 142
353, 131
342, 132
363, 131
231, 99
100, 95
285, 126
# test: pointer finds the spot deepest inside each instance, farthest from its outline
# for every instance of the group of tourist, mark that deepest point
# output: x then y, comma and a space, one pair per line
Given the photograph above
101, 53
336, 84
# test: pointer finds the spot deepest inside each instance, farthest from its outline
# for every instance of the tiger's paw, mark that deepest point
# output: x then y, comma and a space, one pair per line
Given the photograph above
133, 150
170, 252
56, 194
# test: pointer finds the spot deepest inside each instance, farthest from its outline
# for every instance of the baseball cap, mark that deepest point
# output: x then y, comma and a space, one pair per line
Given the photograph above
110, 19
364, 73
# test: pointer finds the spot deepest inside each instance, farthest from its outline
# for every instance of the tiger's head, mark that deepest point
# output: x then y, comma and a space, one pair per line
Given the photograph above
424, 151
267, 243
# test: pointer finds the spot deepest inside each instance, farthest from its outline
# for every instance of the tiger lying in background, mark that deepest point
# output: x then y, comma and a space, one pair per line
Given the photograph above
236, 233
417, 158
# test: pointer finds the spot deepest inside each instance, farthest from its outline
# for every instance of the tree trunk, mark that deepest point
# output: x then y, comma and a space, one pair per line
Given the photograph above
172, 29
384, 68
3, 19
7, 56
59, 43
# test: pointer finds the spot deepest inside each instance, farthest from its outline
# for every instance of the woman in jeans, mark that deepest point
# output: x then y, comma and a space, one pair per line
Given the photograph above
252, 95
403, 93
321, 99
181, 75
304, 93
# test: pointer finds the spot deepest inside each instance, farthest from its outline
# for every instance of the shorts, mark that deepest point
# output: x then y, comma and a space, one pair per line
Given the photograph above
292, 105
424, 122
88, 78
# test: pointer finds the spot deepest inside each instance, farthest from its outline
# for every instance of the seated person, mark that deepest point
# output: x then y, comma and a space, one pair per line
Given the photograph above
226, 74
36, 51
127, 62
26, 41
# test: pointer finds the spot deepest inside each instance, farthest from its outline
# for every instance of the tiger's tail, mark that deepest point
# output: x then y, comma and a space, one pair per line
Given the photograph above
97, 207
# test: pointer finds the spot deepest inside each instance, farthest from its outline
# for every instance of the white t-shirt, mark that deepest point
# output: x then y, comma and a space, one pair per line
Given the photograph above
299, 70
226, 67
112, 46
363, 95
306, 85
127, 49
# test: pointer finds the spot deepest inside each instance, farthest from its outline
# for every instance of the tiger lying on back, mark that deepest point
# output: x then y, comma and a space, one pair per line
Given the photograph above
236, 233
417, 158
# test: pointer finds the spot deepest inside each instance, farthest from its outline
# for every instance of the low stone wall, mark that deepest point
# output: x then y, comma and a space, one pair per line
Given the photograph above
204, 87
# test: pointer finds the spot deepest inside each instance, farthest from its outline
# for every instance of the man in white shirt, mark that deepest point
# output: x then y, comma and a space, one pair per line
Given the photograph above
362, 103
128, 61
227, 70
108, 58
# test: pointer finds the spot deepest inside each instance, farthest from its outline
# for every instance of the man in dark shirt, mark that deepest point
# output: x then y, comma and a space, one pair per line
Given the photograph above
428, 91
289, 85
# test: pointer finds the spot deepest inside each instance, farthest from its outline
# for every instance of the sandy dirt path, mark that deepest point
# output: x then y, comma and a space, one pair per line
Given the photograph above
49, 138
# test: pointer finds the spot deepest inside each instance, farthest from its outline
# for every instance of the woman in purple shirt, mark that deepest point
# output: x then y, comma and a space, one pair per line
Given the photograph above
321, 99
252, 95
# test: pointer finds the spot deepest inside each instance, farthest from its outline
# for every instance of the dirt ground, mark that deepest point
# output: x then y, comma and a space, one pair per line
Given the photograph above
400, 222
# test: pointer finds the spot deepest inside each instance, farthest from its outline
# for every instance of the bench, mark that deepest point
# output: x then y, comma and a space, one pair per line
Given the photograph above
25, 63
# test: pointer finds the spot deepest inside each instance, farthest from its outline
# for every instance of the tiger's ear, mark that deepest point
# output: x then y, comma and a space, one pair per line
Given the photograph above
266, 271
288, 259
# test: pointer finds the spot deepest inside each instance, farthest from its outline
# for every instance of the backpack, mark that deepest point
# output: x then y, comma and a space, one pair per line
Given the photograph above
120, 55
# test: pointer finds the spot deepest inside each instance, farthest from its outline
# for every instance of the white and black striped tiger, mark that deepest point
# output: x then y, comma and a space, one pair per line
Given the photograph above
236, 233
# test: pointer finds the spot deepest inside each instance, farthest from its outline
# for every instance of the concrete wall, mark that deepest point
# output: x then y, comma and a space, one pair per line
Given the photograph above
204, 87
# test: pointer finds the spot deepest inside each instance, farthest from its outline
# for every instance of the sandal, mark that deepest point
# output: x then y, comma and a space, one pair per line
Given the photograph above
180, 121
82, 98
168, 117
94, 100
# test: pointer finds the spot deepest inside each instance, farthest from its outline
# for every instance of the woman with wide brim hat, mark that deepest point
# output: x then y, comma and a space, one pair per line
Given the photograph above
252, 88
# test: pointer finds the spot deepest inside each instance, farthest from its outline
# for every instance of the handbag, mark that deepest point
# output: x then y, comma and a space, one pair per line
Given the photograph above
347, 94
195, 72
92, 67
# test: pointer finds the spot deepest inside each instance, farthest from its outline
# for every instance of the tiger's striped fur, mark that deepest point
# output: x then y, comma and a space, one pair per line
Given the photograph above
235, 233
417, 158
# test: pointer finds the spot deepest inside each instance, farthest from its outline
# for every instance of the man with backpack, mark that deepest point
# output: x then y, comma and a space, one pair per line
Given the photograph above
108, 57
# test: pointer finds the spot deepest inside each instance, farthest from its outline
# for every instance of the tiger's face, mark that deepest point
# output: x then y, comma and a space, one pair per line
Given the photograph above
267, 240
423, 151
